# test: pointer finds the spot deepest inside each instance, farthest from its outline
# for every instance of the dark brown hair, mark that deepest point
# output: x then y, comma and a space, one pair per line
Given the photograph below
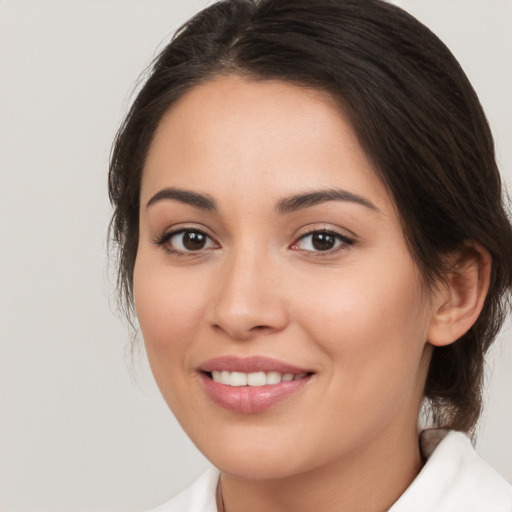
414, 112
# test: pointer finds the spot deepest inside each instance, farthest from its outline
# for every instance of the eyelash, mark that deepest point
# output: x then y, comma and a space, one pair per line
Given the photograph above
163, 241
345, 242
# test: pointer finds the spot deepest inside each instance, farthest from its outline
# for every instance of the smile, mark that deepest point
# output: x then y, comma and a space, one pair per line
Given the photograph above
255, 379
250, 385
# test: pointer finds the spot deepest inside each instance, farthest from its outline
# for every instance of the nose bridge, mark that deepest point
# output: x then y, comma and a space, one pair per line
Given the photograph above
248, 297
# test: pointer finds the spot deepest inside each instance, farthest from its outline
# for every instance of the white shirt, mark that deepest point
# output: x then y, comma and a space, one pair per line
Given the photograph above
454, 479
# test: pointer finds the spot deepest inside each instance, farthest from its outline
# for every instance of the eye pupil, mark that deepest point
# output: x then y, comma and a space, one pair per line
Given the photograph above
194, 241
323, 241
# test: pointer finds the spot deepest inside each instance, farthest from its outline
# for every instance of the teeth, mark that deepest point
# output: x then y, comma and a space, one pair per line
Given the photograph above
238, 379
257, 379
253, 379
273, 377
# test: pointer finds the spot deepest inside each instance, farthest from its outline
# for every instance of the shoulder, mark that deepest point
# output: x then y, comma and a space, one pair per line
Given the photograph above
198, 497
454, 479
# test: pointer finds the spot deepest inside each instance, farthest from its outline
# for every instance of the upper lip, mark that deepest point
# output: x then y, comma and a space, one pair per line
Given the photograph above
249, 365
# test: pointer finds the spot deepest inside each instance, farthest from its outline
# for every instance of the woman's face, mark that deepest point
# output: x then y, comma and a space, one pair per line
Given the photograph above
269, 251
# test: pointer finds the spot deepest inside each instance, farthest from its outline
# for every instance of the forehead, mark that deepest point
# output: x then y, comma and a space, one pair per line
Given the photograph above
259, 137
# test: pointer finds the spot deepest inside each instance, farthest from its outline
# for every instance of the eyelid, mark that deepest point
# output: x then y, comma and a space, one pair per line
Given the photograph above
326, 228
346, 241
164, 238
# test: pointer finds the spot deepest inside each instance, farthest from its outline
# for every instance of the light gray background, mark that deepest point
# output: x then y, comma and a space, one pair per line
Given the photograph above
83, 428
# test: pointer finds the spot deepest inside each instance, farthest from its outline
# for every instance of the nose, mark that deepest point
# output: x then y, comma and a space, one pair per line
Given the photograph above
248, 300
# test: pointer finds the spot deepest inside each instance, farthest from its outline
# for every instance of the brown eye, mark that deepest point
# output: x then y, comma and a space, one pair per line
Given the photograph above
186, 241
193, 240
322, 241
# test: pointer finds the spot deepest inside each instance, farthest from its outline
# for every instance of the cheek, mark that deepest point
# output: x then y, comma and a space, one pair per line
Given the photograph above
169, 308
372, 327
372, 333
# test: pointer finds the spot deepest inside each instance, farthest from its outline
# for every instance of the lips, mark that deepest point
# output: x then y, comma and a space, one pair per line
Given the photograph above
251, 385
249, 364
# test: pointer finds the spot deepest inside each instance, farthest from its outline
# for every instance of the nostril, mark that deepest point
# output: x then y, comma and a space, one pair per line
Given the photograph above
243, 321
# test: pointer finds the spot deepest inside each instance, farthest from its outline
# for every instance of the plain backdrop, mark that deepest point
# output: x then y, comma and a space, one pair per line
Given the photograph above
82, 425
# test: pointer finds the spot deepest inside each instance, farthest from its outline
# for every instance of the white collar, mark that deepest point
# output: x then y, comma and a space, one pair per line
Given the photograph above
454, 479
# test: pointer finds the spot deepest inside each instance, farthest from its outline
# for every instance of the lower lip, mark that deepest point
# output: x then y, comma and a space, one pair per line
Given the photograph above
250, 399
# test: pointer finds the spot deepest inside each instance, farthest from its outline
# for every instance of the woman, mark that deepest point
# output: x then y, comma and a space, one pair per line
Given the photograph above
311, 229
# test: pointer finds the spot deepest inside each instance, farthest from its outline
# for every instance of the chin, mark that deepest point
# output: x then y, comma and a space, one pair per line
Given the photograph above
258, 468
237, 448
260, 453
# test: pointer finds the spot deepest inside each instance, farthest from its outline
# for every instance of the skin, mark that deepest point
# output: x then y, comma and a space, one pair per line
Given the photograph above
358, 317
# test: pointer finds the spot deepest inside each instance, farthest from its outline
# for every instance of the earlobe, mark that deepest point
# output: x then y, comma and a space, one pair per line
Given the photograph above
461, 296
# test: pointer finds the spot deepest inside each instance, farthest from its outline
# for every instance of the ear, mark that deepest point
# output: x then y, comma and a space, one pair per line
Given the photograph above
461, 294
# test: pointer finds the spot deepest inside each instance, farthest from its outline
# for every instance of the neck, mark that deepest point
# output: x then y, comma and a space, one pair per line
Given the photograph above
368, 481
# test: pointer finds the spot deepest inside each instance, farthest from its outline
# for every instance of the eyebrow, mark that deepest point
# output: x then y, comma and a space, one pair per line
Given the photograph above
283, 206
309, 199
201, 201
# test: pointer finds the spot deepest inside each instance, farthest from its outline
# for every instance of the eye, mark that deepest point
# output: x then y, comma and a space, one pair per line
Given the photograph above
321, 241
185, 241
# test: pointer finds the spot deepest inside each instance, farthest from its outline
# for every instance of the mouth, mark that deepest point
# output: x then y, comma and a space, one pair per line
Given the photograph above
254, 379
250, 385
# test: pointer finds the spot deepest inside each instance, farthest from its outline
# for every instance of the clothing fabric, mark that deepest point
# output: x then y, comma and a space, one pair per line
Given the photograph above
454, 479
